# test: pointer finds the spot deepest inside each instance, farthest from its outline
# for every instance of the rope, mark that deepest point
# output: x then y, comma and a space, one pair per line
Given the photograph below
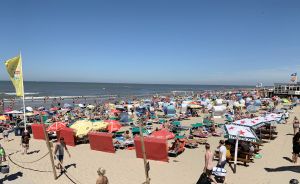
26, 167
33, 161
72, 180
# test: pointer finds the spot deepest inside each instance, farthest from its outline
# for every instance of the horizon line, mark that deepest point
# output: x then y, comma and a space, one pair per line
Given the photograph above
137, 83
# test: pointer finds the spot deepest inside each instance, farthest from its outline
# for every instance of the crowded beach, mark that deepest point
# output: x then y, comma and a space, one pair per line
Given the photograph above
228, 136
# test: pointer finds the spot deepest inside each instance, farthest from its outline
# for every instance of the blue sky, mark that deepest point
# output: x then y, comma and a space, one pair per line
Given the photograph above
157, 41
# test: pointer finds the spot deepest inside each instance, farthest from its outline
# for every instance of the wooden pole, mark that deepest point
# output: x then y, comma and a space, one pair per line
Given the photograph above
236, 153
49, 149
146, 165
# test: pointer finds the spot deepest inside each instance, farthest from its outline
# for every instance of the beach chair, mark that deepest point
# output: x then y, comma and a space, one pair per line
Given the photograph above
174, 152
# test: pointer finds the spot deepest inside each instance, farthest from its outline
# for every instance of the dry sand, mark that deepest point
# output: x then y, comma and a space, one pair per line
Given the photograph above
124, 168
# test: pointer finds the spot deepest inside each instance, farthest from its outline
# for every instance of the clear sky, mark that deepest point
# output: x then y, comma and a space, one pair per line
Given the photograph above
154, 41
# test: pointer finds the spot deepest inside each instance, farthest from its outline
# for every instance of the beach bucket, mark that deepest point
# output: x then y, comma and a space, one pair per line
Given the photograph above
258, 156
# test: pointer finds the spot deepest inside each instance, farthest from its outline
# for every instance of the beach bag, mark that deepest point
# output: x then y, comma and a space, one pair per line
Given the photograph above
219, 172
4, 169
203, 179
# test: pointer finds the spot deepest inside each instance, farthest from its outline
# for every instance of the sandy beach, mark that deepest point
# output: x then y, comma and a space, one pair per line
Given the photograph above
124, 168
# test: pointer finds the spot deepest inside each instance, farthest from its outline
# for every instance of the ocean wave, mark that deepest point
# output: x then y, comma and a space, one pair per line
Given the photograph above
28, 93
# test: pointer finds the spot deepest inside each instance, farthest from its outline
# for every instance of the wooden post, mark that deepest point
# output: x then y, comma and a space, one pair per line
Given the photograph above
236, 153
49, 149
146, 164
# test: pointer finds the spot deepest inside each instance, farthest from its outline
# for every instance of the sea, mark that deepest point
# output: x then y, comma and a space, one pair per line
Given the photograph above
36, 92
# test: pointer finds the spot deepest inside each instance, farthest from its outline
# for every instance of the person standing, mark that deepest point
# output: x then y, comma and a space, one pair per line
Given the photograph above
102, 179
222, 154
208, 167
5, 134
296, 125
25, 141
296, 147
2, 155
59, 153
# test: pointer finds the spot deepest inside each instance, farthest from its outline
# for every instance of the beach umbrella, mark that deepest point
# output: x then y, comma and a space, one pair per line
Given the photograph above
57, 126
54, 109
99, 125
113, 126
163, 134
14, 112
7, 110
244, 133
251, 123
41, 108
29, 114
67, 105
4, 118
82, 127
30, 109
90, 107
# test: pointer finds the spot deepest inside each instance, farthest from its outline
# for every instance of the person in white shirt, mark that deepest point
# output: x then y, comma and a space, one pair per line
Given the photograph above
222, 154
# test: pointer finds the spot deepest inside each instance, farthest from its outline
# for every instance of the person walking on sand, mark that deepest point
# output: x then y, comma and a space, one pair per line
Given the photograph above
208, 167
296, 147
222, 154
102, 179
59, 153
296, 125
25, 141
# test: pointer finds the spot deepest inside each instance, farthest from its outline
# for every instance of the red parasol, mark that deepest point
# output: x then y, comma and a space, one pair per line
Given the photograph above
113, 126
57, 126
163, 134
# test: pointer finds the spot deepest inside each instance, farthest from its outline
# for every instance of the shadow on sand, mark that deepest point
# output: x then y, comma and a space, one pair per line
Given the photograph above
295, 169
12, 177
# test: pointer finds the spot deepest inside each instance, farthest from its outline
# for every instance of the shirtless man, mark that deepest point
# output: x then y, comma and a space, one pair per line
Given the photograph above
208, 167
101, 179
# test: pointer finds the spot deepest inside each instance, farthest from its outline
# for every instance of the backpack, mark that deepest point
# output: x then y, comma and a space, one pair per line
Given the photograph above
203, 179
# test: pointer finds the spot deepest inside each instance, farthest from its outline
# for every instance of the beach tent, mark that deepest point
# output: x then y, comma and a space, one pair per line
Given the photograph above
155, 148
245, 133
252, 109
171, 111
101, 142
113, 126
219, 111
57, 126
257, 103
219, 102
163, 134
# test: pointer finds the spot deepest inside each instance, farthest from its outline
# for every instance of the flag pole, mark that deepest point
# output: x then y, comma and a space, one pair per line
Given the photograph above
24, 107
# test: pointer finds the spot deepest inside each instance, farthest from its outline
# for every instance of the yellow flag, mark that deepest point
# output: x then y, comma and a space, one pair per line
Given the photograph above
14, 69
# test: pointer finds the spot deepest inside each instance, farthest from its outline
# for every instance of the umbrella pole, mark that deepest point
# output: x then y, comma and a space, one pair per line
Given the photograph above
236, 153
49, 149
146, 164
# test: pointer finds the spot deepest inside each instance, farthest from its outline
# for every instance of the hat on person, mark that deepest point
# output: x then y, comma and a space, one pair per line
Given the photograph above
101, 171
222, 142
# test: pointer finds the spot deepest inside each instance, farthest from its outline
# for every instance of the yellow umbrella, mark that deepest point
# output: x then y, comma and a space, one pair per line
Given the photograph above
82, 127
99, 125
3, 118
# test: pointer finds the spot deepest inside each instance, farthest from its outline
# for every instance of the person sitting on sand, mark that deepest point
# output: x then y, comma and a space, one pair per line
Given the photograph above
127, 135
175, 146
102, 179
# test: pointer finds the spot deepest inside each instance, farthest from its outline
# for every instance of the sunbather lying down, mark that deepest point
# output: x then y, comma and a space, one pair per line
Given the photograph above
177, 147
199, 132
